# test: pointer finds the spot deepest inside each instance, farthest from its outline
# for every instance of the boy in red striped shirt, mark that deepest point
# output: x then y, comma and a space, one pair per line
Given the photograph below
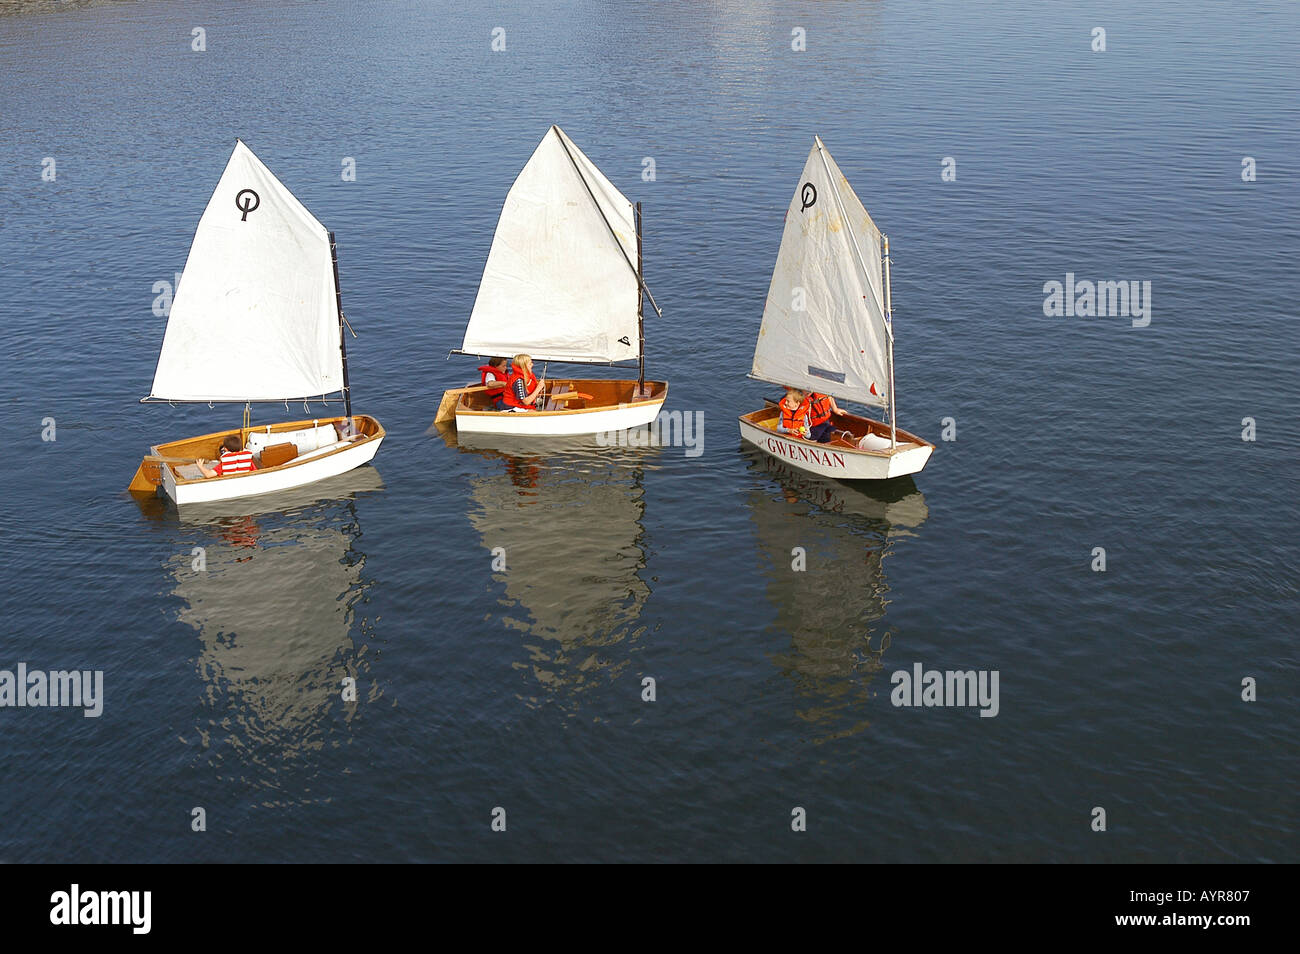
234, 459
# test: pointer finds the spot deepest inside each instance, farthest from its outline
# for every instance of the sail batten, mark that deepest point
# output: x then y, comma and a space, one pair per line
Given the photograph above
559, 282
255, 316
824, 327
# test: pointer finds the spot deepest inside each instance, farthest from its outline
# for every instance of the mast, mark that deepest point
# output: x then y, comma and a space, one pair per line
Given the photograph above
640, 309
343, 345
889, 322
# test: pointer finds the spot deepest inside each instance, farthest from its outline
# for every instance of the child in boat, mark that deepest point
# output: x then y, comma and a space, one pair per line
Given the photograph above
494, 376
234, 459
820, 409
794, 413
523, 391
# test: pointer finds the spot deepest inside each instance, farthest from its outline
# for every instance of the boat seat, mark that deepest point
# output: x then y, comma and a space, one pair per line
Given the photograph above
554, 405
277, 454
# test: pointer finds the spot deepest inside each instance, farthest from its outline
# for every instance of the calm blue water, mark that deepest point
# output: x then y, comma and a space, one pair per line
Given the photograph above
523, 689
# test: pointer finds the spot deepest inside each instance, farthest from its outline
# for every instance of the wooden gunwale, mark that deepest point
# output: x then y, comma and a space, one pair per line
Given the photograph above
660, 396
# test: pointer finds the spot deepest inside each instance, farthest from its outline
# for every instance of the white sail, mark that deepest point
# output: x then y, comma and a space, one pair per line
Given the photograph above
557, 284
824, 325
255, 317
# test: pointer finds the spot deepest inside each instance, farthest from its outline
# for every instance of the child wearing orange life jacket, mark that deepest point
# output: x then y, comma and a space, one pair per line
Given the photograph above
495, 377
820, 409
794, 413
234, 459
523, 391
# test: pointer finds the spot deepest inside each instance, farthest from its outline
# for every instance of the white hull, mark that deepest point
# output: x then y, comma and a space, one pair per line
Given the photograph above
269, 481
181, 481
605, 406
841, 463
558, 423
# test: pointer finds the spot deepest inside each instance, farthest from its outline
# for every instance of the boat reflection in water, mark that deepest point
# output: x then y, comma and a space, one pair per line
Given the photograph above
833, 610
569, 522
275, 610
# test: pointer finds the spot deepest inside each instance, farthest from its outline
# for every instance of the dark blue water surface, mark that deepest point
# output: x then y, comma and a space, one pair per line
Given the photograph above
523, 689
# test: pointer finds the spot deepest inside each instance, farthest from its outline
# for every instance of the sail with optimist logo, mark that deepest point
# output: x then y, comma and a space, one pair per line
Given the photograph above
255, 317
824, 325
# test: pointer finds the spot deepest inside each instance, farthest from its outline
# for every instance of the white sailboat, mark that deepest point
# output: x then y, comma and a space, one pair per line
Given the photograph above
257, 317
828, 328
563, 282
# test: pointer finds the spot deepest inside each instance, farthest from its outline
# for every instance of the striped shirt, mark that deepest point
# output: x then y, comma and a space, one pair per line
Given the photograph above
235, 462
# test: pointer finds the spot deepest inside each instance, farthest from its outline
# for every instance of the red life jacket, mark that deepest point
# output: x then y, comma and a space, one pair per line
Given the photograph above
235, 462
819, 409
530, 382
793, 420
494, 387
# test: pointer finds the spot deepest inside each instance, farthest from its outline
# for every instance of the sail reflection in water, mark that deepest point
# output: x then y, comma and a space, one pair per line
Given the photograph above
832, 611
570, 525
275, 611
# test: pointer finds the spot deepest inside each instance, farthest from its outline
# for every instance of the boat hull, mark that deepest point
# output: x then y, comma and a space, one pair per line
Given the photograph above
614, 406
840, 460
304, 470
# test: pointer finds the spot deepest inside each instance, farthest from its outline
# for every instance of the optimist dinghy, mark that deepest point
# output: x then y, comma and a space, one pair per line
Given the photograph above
563, 282
257, 317
828, 328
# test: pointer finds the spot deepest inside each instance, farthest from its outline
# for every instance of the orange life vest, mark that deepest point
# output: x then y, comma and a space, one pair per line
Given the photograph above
819, 409
794, 420
494, 387
530, 382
